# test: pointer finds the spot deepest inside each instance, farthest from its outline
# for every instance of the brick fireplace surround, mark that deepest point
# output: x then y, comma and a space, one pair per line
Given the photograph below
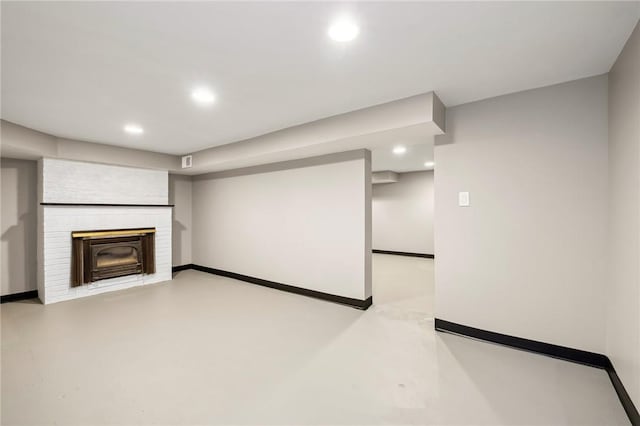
77, 196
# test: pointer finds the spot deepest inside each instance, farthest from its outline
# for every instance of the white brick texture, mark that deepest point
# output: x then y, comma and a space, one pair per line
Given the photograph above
65, 181
60, 221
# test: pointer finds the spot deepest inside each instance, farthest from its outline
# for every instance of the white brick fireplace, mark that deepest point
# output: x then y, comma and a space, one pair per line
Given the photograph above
78, 196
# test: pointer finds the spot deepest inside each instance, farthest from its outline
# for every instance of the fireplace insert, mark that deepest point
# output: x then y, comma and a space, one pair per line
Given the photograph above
98, 255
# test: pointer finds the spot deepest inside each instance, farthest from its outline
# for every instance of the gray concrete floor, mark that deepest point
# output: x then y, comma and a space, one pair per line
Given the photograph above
209, 350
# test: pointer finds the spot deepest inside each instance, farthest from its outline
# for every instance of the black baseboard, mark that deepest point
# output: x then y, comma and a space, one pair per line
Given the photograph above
404, 253
355, 303
591, 359
19, 296
106, 205
624, 397
562, 352
182, 267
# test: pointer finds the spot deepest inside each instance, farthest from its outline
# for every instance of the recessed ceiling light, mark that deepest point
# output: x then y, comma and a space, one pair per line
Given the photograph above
429, 164
203, 96
399, 150
343, 30
133, 129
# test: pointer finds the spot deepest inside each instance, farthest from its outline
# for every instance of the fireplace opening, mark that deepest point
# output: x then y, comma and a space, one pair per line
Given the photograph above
111, 255
98, 255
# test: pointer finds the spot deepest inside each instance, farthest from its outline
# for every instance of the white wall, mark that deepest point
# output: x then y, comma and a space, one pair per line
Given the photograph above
623, 286
180, 196
18, 226
528, 257
403, 214
304, 223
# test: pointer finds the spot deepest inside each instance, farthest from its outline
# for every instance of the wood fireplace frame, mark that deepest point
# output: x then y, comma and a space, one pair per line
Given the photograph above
88, 246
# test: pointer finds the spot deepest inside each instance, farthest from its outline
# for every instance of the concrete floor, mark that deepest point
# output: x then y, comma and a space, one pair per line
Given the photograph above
210, 350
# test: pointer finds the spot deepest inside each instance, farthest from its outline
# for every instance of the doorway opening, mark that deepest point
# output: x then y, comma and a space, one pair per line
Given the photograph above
402, 227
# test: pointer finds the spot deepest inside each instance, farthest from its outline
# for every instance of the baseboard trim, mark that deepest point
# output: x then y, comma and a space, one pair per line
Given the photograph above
590, 359
32, 294
562, 352
404, 253
623, 396
105, 205
354, 303
179, 268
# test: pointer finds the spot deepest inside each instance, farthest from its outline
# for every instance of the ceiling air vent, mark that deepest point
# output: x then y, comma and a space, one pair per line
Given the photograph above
186, 161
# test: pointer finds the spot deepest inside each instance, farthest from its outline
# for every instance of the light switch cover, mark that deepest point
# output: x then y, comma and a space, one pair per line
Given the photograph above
463, 199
